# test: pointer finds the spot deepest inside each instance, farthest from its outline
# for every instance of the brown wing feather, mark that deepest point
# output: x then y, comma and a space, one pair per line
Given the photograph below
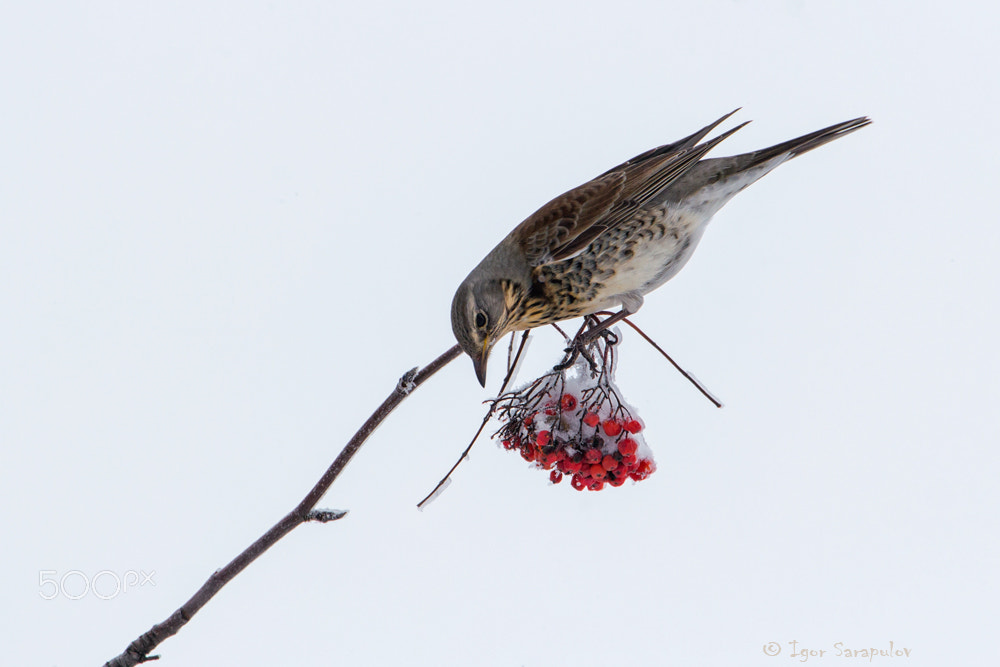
646, 177
549, 229
571, 221
687, 142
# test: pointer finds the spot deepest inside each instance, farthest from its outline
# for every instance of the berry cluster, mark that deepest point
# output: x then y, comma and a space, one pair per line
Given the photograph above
576, 426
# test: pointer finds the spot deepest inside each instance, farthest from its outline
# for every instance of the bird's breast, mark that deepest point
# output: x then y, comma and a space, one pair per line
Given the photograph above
635, 257
648, 250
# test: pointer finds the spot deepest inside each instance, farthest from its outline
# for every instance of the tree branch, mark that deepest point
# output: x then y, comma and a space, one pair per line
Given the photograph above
138, 651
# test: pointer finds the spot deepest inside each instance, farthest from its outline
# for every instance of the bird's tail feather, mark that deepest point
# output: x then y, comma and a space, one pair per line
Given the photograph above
805, 143
714, 181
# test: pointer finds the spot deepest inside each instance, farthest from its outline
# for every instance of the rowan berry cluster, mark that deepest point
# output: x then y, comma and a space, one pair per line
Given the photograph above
576, 425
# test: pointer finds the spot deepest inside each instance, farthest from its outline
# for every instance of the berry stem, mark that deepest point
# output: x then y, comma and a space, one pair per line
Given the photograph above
692, 379
489, 413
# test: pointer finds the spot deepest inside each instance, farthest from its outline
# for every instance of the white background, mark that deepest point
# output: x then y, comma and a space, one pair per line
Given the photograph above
227, 229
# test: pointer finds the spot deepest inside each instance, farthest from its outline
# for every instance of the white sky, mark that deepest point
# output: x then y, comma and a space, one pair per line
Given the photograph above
226, 230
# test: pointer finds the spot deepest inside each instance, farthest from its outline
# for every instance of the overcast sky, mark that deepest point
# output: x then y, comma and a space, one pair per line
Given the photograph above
227, 228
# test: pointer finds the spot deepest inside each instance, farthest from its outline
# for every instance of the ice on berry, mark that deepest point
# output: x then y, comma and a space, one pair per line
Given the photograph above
575, 423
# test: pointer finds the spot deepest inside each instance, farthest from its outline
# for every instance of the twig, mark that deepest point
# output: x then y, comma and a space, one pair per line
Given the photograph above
692, 379
138, 651
511, 367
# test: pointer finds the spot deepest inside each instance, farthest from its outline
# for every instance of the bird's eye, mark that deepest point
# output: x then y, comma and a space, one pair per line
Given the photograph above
481, 320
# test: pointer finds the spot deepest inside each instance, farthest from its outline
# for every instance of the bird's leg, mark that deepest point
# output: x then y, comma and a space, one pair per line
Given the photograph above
631, 303
593, 328
587, 337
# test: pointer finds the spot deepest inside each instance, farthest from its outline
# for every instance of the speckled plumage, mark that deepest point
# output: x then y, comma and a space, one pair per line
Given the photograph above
612, 240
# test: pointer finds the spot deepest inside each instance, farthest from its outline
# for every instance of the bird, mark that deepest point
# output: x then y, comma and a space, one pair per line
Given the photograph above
609, 242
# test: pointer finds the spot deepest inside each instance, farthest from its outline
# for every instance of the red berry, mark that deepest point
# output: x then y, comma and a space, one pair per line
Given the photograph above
643, 470
570, 466
597, 471
631, 461
612, 428
596, 485
609, 462
555, 476
617, 480
591, 419
577, 482
527, 454
568, 402
543, 438
633, 426
627, 446
592, 455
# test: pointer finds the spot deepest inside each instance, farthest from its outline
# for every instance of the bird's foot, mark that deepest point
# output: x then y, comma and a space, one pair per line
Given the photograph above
585, 343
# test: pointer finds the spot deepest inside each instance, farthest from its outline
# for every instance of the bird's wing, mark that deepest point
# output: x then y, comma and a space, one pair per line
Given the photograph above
548, 231
568, 223
686, 142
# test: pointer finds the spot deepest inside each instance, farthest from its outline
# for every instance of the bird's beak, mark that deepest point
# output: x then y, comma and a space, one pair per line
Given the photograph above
479, 363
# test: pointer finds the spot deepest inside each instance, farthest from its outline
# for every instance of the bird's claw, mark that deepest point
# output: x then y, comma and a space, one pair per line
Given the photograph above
572, 352
582, 346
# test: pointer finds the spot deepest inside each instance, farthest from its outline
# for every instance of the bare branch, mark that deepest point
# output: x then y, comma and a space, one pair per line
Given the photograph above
138, 651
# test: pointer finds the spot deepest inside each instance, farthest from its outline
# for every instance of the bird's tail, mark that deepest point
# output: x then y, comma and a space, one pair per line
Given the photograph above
713, 182
803, 144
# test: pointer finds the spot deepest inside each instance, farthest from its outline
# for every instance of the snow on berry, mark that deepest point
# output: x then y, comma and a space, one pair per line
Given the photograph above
574, 422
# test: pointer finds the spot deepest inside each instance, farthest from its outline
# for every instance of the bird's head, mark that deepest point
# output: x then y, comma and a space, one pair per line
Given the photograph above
479, 318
